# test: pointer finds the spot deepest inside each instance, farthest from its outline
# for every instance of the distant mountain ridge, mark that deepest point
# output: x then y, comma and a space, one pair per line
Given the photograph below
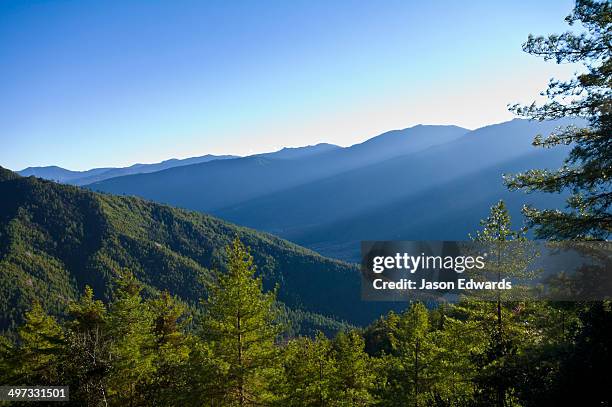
62, 175
59, 174
318, 199
65, 176
406, 194
328, 197
288, 153
214, 185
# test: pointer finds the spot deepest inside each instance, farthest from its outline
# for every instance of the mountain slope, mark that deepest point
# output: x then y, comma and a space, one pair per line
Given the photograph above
56, 238
448, 211
62, 175
316, 201
481, 157
218, 184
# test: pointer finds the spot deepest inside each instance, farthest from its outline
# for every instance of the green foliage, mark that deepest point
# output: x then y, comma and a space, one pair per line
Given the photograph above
354, 375
150, 352
239, 325
587, 175
309, 373
130, 325
36, 357
497, 226
413, 350
135, 352
171, 350
587, 172
87, 355
509, 256
55, 239
139, 344
321, 372
509, 252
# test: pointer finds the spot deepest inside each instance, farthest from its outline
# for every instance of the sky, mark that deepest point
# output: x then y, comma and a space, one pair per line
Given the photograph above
87, 84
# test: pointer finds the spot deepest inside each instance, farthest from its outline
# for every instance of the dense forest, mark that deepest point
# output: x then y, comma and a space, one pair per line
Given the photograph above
154, 352
55, 239
131, 303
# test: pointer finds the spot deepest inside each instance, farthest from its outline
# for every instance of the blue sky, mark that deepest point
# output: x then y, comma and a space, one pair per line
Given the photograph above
109, 83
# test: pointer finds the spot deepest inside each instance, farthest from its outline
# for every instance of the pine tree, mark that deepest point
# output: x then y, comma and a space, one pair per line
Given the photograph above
35, 359
413, 349
378, 334
509, 253
201, 376
130, 323
171, 351
452, 369
87, 358
310, 374
587, 172
509, 256
240, 329
587, 175
354, 374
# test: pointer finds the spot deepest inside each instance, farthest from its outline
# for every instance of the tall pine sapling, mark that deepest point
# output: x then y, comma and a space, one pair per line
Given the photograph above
241, 330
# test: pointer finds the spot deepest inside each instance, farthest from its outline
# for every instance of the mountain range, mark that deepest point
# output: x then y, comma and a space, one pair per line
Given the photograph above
424, 182
59, 174
393, 186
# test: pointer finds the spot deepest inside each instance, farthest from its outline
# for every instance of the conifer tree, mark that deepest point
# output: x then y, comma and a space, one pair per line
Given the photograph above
414, 350
452, 369
130, 323
586, 175
309, 376
170, 349
40, 343
240, 329
378, 334
201, 376
87, 358
509, 255
354, 373
587, 172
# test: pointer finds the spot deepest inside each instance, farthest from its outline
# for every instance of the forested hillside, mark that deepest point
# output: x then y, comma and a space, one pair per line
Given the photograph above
140, 350
54, 239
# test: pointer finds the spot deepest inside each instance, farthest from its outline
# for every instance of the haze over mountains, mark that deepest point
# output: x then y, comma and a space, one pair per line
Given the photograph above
215, 185
58, 174
437, 193
424, 182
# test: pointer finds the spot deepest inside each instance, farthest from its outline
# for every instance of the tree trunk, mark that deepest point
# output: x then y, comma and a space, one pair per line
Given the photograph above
416, 373
241, 398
